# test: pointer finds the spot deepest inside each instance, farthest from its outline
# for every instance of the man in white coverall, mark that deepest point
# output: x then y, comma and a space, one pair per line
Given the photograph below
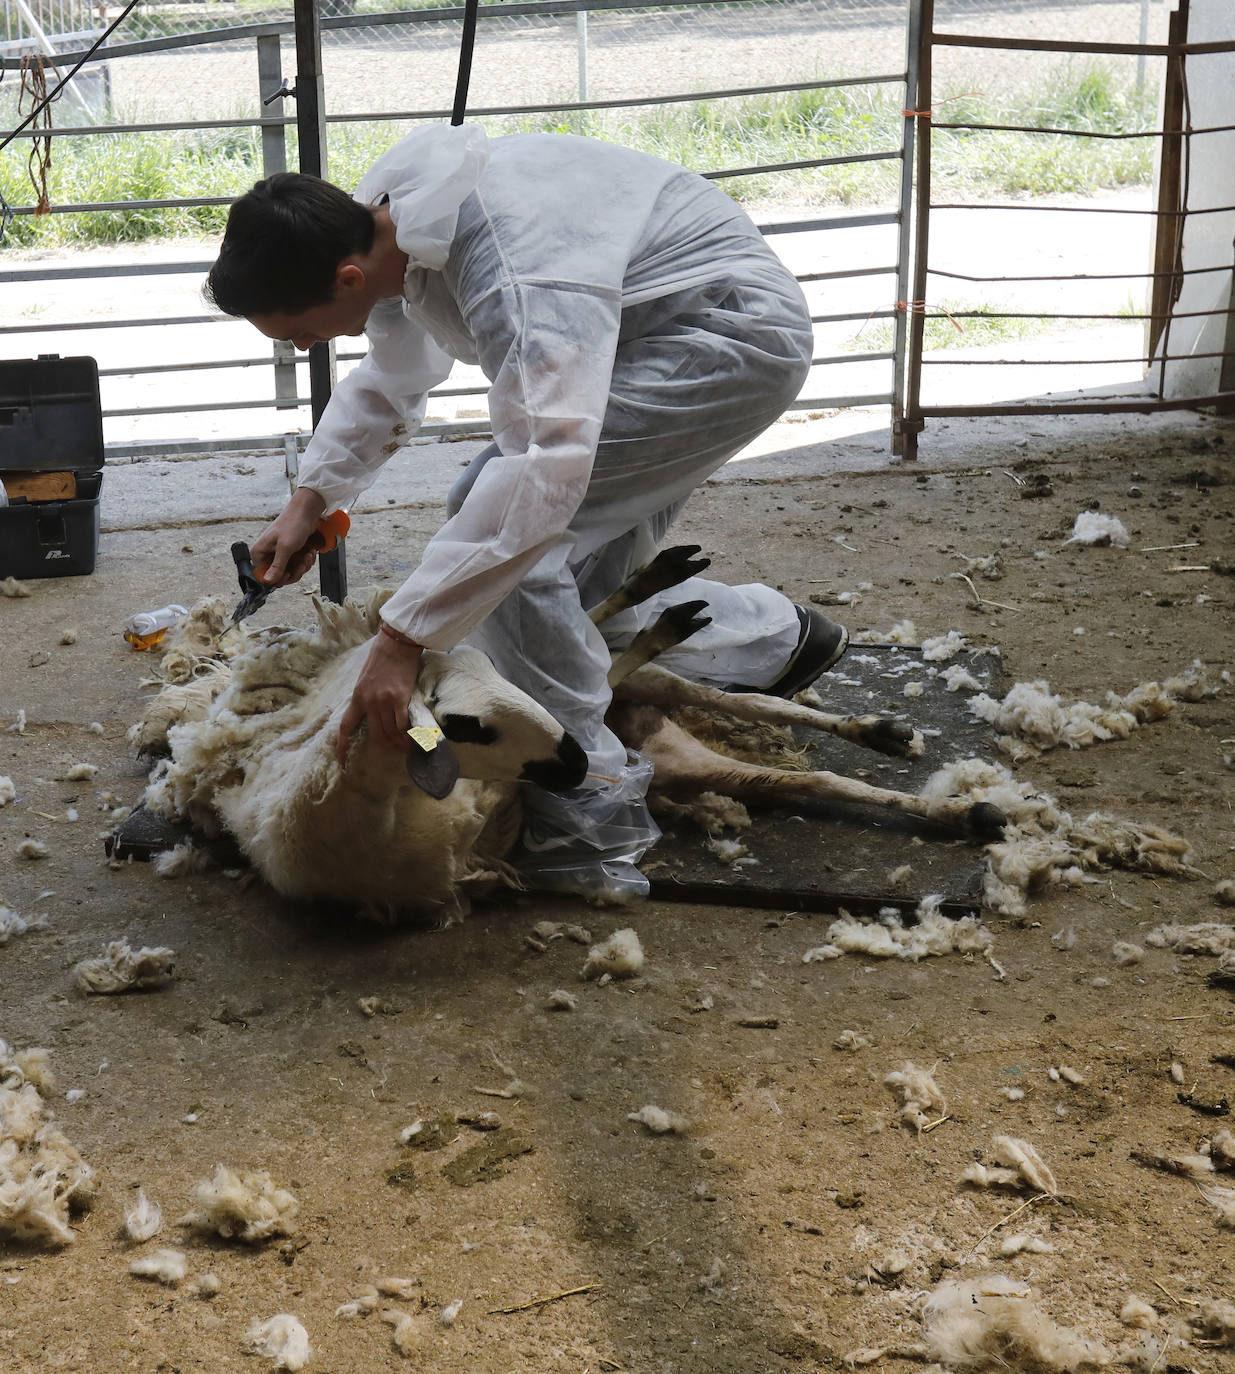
636, 331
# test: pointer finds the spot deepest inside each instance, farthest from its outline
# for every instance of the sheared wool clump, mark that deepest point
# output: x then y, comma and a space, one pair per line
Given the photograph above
1137, 1312
1222, 1148
1215, 1320
1042, 841
81, 772
181, 861
940, 648
1032, 719
958, 678
8, 792
851, 1040
1124, 953
206, 1285
917, 1094
167, 1266
992, 1322
144, 1220
1222, 1200
11, 924
406, 1334
248, 1206
1022, 1243
18, 726
620, 956
709, 811
124, 969
561, 1000
891, 938
32, 849
197, 641
1205, 937
1224, 892
1092, 527
902, 632
658, 1121
727, 851
1017, 1163
68, 636
448, 1315
11, 587
548, 931
43, 1179
281, 1338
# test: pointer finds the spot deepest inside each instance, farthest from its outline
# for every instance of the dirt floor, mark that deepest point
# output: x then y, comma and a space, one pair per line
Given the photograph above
796, 1221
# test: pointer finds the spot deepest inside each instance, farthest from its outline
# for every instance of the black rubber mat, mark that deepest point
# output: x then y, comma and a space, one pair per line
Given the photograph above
829, 856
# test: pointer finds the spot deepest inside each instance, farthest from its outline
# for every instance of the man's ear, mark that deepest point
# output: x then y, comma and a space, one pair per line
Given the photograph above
349, 276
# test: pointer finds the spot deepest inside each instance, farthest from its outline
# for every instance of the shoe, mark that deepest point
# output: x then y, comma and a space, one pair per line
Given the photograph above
821, 644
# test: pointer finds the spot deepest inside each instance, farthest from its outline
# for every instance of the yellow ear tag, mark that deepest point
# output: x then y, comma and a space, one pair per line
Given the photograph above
426, 736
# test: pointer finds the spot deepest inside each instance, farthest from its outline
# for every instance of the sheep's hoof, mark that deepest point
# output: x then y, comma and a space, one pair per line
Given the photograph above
669, 567
681, 621
986, 822
889, 736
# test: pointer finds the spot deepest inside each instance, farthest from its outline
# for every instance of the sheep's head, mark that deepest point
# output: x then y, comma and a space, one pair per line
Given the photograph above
498, 732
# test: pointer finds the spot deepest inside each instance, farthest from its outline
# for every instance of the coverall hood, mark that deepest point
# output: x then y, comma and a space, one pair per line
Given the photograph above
426, 177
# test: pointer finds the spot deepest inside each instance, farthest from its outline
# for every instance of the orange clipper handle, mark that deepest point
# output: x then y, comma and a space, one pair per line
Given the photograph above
329, 531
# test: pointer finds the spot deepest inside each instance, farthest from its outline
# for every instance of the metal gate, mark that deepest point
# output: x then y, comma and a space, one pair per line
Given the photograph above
1169, 276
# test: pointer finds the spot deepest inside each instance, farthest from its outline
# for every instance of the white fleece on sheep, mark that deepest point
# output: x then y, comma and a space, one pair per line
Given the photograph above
124, 969
620, 956
43, 1179
244, 1206
281, 1338
891, 937
992, 1321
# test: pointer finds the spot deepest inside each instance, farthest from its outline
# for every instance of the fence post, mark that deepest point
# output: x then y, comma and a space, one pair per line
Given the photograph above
581, 40
274, 159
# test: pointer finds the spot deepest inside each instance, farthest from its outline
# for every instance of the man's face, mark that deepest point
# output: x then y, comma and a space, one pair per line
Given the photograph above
345, 314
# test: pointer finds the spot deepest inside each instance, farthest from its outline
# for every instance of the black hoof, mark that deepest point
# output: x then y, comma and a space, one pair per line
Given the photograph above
667, 569
683, 620
986, 822
890, 736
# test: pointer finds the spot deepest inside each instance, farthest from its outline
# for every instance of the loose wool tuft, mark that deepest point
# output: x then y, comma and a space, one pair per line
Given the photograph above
144, 1220
11, 587
32, 849
1215, 1321
1137, 1312
8, 792
281, 1338
249, 1206
940, 648
1205, 937
620, 956
43, 1179
658, 1121
11, 924
1017, 1164
917, 1095
124, 969
931, 934
181, 861
992, 1322
1091, 527
165, 1266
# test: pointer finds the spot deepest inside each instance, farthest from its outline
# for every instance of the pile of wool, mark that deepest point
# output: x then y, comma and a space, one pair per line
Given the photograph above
940, 648
1043, 845
931, 933
620, 956
1091, 527
916, 1091
992, 1321
1017, 1164
282, 1338
124, 969
248, 1206
43, 1179
1033, 719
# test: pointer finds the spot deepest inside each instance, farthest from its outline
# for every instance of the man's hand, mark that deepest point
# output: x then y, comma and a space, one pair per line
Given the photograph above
383, 690
281, 543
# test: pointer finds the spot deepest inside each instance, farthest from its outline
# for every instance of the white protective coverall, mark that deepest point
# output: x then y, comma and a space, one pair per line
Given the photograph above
637, 332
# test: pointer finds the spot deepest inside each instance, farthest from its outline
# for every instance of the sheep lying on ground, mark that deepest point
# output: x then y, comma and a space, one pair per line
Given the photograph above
252, 752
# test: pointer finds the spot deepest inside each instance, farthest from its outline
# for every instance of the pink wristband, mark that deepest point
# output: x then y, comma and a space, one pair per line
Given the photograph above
397, 637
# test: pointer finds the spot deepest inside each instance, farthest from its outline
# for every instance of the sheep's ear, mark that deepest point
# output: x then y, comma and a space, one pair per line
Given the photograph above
434, 769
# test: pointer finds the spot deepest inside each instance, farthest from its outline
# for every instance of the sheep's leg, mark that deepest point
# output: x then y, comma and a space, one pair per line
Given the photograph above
659, 687
683, 766
667, 569
671, 627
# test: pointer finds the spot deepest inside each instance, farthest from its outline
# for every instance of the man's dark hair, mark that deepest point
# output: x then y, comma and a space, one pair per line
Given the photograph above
283, 242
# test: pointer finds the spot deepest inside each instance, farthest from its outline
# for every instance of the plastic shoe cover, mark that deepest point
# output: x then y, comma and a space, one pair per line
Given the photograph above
587, 841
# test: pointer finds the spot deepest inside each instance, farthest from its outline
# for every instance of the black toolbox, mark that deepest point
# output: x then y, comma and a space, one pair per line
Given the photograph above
51, 465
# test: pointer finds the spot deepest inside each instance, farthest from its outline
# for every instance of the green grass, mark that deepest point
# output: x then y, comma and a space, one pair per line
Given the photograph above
838, 122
